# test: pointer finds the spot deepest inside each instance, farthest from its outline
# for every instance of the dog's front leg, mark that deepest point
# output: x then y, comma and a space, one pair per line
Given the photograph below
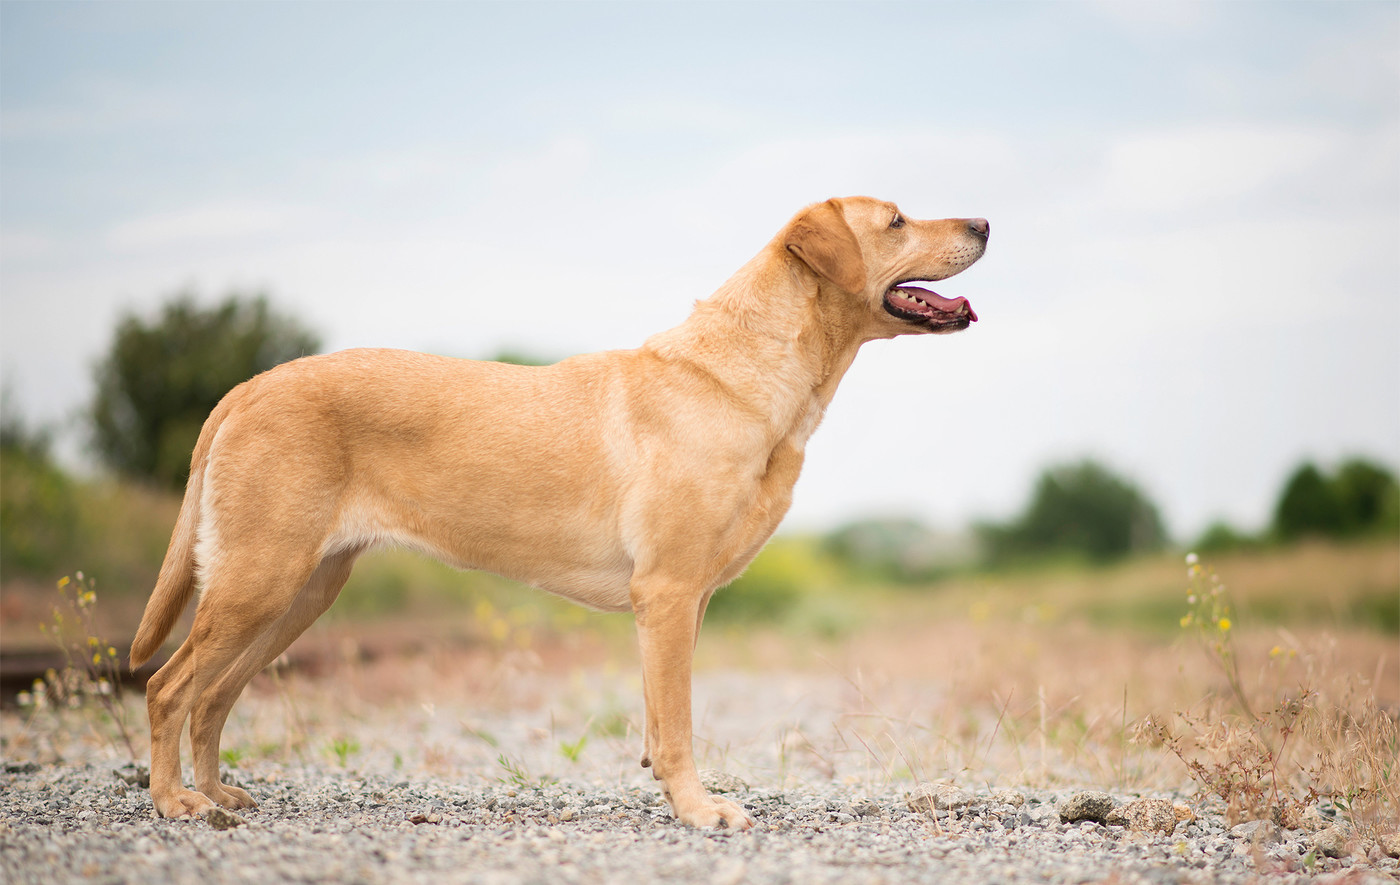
667, 623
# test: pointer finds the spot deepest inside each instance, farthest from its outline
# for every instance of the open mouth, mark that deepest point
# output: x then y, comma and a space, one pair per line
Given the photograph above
911, 302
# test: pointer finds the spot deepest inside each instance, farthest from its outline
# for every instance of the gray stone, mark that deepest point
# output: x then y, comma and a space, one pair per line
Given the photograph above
1014, 798
136, 775
1088, 805
1145, 816
1260, 832
1315, 818
718, 782
1331, 841
221, 818
937, 797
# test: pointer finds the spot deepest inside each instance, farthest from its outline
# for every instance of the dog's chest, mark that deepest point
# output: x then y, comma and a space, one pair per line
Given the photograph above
805, 422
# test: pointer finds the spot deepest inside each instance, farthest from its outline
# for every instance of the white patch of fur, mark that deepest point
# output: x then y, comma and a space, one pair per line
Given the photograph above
360, 528
207, 549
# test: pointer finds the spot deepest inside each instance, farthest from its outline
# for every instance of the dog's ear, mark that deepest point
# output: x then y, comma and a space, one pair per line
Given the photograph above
824, 242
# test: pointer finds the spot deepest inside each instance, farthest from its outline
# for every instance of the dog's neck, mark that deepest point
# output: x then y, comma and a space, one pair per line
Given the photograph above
794, 358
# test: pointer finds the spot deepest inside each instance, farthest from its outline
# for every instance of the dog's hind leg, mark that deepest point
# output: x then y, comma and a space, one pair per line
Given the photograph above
212, 707
241, 602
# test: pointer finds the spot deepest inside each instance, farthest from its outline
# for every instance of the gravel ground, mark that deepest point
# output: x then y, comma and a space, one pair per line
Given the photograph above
61, 823
425, 792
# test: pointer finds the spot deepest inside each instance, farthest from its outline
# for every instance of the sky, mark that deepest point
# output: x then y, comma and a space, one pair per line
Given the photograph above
1193, 273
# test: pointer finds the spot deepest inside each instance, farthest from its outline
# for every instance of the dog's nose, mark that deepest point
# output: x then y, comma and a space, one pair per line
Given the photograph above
980, 227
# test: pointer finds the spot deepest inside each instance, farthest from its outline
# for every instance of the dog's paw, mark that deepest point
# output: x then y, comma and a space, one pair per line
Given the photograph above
231, 797
181, 803
715, 813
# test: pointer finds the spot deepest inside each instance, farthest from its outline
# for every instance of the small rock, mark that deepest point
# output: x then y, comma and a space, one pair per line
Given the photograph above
21, 767
1331, 841
420, 818
221, 818
1315, 818
136, 775
1014, 798
1260, 832
1183, 812
718, 782
1145, 816
1390, 844
940, 797
1086, 805
568, 814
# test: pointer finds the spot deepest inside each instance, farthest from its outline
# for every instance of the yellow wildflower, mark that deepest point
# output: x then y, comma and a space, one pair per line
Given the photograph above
1224, 625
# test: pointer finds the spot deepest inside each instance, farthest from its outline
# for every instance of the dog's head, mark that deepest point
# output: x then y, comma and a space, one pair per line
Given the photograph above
868, 250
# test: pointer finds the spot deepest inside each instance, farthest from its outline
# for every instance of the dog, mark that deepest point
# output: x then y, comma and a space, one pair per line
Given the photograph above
634, 480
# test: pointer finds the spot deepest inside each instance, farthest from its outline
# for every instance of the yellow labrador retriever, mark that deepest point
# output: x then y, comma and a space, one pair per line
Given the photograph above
637, 479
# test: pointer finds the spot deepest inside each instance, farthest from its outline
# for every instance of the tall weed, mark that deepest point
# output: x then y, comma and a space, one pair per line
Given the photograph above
1299, 731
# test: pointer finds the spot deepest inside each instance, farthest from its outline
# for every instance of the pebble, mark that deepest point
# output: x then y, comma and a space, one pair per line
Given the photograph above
1146, 816
720, 782
1331, 841
1090, 805
220, 818
937, 797
1264, 832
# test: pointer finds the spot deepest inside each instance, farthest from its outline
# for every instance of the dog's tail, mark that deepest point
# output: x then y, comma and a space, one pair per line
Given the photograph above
176, 582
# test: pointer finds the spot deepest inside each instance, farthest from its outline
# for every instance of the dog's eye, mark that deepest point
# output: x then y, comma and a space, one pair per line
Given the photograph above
898, 221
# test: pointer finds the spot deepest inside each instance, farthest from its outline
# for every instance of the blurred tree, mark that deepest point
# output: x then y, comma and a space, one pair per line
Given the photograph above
1361, 497
160, 380
1369, 496
1082, 509
1308, 505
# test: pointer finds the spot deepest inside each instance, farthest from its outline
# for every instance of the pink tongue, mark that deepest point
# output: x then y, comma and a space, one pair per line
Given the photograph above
946, 305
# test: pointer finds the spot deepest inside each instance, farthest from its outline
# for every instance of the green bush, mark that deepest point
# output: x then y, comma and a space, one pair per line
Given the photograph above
40, 512
1360, 498
1221, 537
774, 583
1080, 509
